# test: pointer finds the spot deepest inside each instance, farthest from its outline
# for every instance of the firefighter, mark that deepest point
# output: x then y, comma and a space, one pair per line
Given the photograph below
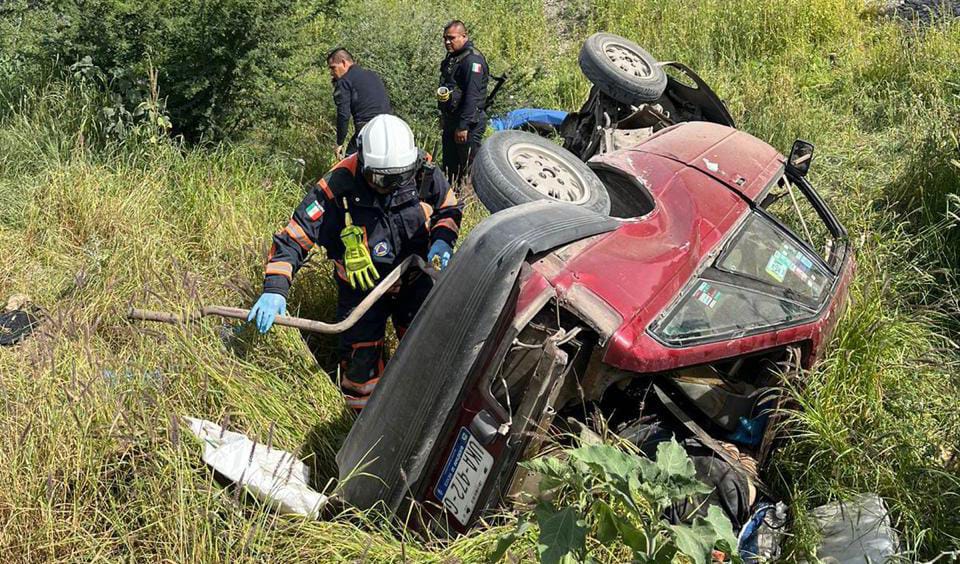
371, 211
461, 97
357, 92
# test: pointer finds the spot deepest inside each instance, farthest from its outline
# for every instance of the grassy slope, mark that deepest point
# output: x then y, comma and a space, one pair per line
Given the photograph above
94, 467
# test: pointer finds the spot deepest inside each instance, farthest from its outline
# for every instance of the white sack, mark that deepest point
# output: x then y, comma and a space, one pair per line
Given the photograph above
273, 476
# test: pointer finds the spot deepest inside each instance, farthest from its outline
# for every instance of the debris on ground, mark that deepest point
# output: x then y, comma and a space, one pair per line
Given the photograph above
855, 531
17, 320
273, 476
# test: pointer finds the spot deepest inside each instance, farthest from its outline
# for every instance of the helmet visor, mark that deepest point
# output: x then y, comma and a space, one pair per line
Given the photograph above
385, 183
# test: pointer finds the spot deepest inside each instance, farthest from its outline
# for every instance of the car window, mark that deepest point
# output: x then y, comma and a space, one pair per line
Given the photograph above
791, 208
764, 252
713, 309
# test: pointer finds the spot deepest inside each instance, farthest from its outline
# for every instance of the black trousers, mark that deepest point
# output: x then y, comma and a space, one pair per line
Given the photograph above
458, 156
361, 347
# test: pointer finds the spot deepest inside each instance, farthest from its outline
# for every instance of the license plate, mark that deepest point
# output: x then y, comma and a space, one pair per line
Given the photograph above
463, 477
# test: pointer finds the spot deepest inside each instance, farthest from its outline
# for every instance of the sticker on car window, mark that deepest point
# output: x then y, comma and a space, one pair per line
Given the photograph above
778, 266
707, 295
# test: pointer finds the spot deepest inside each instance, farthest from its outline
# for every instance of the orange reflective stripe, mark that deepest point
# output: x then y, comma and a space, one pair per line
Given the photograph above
355, 403
281, 268
367, 344
349, 163
364, 389
449, 224
427, 211
326, 189
450, 200
299, 235
273, 251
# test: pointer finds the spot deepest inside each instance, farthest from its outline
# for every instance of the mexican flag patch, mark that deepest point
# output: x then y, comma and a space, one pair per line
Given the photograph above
477, 68
314, 211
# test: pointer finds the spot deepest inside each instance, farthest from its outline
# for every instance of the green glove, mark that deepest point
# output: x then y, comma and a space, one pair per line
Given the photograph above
356, 259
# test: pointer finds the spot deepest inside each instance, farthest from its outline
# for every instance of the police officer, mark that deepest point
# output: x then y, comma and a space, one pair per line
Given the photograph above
370, 212
357, 92
463, 90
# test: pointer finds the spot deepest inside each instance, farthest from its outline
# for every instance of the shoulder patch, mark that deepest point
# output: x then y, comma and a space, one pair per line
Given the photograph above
314, 211
476, 68
381, 249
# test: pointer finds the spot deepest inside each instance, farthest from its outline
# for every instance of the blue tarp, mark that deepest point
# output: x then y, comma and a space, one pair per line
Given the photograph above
518, 118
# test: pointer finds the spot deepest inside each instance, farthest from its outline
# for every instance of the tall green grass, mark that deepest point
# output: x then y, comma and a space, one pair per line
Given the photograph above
95, 468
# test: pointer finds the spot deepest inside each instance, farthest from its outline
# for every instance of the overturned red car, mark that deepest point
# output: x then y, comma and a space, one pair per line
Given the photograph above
664, 286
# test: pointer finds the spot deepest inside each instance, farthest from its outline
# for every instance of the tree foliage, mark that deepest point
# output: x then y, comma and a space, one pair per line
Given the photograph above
216, 62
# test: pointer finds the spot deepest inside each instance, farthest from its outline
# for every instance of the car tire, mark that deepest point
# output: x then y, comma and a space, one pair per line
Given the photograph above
622, 69
516, 167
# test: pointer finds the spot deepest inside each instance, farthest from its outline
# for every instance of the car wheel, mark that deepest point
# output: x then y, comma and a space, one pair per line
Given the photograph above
622, 69
516, 167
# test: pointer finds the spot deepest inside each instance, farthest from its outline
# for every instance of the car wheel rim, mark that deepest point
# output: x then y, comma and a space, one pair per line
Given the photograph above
627, 60
548, 173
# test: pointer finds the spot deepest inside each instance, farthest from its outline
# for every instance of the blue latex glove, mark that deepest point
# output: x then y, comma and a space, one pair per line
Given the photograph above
440, 253
267, 308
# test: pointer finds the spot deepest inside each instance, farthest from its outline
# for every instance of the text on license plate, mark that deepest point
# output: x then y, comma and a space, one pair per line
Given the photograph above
463, 477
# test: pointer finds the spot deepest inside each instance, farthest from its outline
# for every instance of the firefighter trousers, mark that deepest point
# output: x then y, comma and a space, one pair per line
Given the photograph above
360, 349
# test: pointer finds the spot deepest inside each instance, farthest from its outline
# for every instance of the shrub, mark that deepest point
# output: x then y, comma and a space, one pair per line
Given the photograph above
216, 61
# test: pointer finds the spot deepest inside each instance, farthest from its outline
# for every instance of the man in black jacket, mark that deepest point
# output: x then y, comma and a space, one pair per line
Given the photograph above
461, 96
357, 92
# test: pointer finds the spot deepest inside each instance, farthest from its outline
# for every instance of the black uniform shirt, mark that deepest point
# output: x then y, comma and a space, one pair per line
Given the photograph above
466, 74
359, 93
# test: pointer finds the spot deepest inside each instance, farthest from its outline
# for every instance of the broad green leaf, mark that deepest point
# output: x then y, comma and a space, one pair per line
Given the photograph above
563, 534
503, 544
554, 472
632, 536
723, 529
699, 539
617, 464
673, 461
659, 495
606, 522
692, 542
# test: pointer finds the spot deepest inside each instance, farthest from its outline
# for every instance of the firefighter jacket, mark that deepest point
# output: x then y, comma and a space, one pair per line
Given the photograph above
405, 222
466, 74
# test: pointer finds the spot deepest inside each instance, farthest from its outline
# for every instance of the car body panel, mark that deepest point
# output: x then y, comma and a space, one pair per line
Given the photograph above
640, 268
737, 159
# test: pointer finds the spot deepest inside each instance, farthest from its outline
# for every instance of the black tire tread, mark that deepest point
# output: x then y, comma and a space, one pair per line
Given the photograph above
491, 173
625, 89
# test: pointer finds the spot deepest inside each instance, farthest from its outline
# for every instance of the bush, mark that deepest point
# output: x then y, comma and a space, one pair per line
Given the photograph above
216, 61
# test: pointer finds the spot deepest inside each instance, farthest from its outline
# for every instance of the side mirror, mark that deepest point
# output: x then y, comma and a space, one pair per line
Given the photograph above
801, 155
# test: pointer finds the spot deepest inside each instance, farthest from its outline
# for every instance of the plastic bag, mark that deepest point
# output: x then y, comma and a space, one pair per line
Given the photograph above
275, 477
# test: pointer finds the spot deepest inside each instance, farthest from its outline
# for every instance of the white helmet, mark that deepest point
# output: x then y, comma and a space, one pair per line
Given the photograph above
388, 154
